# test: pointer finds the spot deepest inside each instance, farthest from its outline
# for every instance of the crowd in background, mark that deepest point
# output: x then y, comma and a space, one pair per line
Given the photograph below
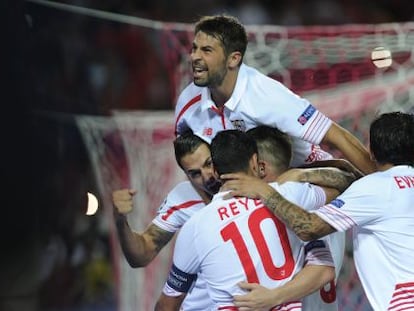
282, 12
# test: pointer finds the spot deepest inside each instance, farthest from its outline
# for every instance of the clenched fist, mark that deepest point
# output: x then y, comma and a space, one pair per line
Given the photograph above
122, 201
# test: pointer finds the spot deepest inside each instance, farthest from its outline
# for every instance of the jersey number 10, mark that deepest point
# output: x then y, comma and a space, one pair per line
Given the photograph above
231, 232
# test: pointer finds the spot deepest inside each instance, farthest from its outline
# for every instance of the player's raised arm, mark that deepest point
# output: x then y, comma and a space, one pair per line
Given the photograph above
351, 148
139, 248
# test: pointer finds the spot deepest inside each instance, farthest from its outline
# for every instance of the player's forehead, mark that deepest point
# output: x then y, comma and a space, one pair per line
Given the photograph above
197, 159
202, 40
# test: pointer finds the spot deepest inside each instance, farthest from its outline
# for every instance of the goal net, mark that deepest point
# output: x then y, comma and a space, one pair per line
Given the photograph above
134, 150
329, 65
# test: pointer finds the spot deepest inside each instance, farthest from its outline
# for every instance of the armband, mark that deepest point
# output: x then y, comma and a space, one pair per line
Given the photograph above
180, 280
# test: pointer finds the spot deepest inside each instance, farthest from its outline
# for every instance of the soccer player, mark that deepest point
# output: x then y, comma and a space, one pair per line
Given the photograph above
274, 153
378, 207
185, 199
227, 242
228, 94
193, 156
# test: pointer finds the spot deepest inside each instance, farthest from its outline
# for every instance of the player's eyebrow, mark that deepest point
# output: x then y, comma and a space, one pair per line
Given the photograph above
208, 161
203, 47
193, 171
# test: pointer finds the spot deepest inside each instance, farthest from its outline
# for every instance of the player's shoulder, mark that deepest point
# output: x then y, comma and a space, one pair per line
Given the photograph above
377, 181
290, 186
257, 77
184, 190
181, 203
297, 191
191, 94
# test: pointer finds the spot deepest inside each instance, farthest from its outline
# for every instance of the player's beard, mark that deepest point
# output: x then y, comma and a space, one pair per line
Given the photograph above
213, 79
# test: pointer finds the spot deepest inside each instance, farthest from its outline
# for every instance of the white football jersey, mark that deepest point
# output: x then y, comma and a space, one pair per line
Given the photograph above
256, 100
181, 203
379, 208
241, 240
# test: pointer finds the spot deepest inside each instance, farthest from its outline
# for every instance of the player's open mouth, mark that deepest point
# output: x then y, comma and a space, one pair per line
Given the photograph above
198, 72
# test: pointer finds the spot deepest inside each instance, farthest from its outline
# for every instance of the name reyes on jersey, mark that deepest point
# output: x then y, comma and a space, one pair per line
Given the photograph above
237, 206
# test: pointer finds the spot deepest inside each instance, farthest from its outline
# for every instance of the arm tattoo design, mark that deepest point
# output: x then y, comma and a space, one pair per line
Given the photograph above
329, 177
159, 237
306, 225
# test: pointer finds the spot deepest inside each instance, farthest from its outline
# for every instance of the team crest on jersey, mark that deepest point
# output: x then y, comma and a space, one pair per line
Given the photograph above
306, 115
239, 125
337, 203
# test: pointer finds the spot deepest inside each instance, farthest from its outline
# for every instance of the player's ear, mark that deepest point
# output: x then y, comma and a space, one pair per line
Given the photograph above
254, 164
234, 59
262, 168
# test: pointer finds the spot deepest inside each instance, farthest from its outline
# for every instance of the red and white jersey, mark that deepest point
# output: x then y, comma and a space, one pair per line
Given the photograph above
181, 203
239, 239
256, 100
380, 209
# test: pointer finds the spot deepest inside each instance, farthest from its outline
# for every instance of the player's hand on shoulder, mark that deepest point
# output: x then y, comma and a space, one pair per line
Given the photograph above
242, 185
123, 200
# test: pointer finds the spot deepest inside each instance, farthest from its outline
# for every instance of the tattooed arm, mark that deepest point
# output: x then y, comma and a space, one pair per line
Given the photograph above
322, 176
308, 226
139, 248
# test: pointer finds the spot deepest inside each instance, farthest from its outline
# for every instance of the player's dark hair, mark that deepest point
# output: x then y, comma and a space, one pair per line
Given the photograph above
392, 138
274, 146
227, 29
185, 144
231, 151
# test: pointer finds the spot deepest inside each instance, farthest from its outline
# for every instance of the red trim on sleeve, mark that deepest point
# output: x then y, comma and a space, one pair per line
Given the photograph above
185, 108
180, 206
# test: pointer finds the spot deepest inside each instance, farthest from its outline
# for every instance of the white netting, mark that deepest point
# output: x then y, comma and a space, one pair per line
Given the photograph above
134, 150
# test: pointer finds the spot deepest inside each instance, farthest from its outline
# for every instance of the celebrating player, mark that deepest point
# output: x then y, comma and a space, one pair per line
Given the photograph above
228, 94
193, 156
234, 234
378, 207
274, 153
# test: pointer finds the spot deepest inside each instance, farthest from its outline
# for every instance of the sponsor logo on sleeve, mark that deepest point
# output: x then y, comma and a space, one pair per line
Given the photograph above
337, 203
306, 115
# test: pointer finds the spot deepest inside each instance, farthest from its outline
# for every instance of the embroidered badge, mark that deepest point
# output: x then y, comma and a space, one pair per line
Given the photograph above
306, 115
239, 125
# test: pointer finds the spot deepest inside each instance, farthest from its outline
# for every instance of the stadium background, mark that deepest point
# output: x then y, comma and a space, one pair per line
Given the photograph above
59, 67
